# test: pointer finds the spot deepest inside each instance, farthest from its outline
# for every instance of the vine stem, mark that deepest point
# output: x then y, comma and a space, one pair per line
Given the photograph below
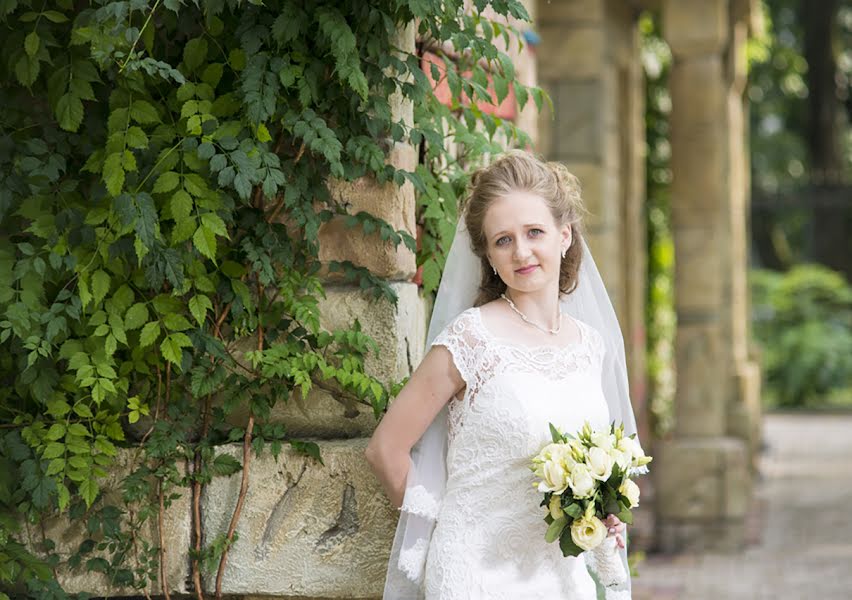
139, 36
239, 507
196, 503
160, 518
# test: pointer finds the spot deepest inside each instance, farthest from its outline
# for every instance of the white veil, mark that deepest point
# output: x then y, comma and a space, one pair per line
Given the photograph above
590, 303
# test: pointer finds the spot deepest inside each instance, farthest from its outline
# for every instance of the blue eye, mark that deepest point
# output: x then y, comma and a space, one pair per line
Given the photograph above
536, 229
500, 241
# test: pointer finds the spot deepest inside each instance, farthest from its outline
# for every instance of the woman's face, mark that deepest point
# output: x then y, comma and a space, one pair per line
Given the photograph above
523, 241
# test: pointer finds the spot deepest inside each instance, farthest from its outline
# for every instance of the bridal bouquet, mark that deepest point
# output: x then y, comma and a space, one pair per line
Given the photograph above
586, 477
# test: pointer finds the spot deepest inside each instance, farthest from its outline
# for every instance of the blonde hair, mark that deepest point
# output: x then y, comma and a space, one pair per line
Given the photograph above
520, 171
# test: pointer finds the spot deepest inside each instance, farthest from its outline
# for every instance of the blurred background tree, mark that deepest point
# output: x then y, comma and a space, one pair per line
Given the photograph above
800, 106
801, 166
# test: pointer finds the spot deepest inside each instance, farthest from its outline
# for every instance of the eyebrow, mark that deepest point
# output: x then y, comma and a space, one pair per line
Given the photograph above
527, 225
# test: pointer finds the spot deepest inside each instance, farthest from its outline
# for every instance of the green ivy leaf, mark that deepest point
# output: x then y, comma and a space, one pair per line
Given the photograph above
176, 322
89, 490
143, 112
194, 53
137, 315
100, 286
53, 450
113, 173
205, 242
171, 347
31, 43
198, 306
69, 112
166, 182
149, 334
136, 138
225, 465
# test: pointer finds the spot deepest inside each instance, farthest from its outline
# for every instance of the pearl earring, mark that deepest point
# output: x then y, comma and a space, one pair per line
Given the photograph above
564, 250
494, 269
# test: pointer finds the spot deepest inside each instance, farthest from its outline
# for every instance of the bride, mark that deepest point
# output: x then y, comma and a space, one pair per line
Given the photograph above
523, 334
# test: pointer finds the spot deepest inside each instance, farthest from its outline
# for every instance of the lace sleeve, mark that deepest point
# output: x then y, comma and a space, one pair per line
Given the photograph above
462, 339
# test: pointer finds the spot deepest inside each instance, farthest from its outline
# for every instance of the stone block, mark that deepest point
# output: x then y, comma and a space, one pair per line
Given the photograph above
579, 123
570, 52
696, 26
68, 535
387, 201
399, 331
570, 12
701, 479
700, 402
699, 268
306, 529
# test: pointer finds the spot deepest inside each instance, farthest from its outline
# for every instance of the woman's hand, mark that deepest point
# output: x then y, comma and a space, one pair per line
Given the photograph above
616, 527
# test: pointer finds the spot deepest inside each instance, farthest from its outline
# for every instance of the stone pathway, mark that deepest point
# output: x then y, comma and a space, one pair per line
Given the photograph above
804, 550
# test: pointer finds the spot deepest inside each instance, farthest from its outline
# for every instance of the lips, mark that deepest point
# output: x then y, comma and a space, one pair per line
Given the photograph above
526, 270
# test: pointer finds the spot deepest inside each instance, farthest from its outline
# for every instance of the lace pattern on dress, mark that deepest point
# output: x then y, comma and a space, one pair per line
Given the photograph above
411, 560
479, 356
418, 501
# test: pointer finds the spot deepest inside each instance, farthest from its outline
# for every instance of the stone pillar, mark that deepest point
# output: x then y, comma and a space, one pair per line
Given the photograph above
576, 68
702, 474
589, 63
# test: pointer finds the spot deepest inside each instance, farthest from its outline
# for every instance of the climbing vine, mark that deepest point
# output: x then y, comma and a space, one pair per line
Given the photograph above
165, 175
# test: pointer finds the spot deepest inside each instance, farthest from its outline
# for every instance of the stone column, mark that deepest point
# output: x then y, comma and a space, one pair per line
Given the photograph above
702, 474
576, 68
589, 63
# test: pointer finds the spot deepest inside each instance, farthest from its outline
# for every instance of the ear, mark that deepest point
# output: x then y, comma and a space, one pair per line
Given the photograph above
567, 235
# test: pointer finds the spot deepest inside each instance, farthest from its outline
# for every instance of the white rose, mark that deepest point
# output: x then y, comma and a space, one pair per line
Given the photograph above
588, 532
631, 490
554, 478
638, 457
600, 464
581, 482
622, 459
603, 440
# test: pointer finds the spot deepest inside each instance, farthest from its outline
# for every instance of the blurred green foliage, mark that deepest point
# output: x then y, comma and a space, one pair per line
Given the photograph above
660, 313
803, 321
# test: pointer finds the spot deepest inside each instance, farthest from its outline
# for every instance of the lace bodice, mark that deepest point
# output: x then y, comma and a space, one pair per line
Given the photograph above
479, 357
489, 538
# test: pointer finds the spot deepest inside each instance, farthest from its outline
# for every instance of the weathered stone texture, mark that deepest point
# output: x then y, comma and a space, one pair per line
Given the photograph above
399, 331
306, 529
385, 201
67, 535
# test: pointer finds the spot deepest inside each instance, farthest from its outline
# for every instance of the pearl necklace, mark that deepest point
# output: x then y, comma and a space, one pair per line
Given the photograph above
553, 331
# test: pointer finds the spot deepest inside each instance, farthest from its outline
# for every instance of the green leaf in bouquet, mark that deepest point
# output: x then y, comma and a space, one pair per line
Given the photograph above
548, 518
554, 434
555, 530
567, 545
626, 516
575, 510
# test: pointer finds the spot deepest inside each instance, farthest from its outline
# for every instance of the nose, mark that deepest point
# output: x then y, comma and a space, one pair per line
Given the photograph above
521, 252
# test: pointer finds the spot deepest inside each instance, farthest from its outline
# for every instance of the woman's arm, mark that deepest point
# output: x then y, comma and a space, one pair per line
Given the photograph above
430, 387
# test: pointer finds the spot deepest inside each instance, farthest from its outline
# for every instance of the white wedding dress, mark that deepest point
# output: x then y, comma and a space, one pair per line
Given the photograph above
488, 542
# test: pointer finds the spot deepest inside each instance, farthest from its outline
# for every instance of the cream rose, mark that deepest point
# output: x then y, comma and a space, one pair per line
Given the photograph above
581, 482
622, 459
588, 532
554, 477
600, 463
603, 440
631, 490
